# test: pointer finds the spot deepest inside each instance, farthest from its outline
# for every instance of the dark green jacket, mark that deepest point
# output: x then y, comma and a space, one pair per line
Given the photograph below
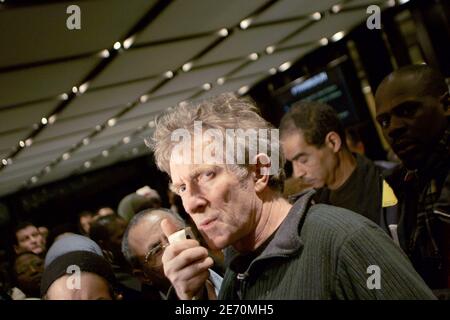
324, 252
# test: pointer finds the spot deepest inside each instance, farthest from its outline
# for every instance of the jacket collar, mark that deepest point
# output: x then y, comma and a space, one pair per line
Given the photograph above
286, 240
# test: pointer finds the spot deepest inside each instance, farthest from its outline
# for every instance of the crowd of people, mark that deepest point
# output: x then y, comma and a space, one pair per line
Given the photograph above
349, 227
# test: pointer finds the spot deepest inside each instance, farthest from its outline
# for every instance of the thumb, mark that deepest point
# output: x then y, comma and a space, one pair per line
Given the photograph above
168, 227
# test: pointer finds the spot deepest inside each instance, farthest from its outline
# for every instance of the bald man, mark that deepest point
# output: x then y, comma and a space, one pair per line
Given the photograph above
412, 108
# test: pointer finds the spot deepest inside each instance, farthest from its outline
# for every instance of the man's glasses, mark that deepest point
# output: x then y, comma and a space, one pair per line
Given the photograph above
154, 251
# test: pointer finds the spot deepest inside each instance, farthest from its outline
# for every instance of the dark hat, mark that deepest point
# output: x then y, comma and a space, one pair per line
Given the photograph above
85, 260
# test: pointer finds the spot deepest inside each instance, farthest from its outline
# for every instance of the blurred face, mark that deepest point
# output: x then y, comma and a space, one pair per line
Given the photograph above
412, 122
28, 269
92, 287
85, 222
224, 209
312, 165
117, 231
146, 237
29, 239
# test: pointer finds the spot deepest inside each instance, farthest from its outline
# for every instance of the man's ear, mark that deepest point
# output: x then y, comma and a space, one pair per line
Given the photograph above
333, 141
17, 249
261, 174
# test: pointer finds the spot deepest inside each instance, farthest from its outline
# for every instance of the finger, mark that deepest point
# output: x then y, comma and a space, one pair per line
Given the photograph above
175, 249
168, 227
183, 260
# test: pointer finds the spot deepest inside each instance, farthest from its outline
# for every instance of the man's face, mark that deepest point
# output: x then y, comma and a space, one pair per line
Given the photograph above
86, 222
92, 287
411, 122
223, 207
29, 239
313, 165
147, 236
28, 269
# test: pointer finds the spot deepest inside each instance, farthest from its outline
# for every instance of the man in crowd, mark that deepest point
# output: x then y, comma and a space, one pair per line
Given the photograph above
27, 238
412, 108
314, 140
276, 250
143, 245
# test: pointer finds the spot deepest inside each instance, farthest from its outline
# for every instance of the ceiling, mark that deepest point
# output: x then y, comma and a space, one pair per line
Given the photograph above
72, 101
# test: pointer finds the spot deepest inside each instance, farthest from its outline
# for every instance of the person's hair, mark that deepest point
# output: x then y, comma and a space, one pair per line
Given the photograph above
431, 81
315, 120
129, 255
222, 112
100, 228
20, 226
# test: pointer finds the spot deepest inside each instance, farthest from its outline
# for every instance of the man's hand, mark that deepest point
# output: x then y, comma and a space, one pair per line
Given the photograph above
185, 264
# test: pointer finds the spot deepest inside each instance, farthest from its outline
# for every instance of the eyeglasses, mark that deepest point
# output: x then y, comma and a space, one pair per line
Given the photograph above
154, 251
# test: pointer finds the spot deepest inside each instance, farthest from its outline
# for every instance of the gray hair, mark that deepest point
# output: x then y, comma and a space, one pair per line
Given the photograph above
225, 111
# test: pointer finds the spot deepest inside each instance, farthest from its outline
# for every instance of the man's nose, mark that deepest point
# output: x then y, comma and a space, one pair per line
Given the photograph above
298, 169
396, 128
194, 203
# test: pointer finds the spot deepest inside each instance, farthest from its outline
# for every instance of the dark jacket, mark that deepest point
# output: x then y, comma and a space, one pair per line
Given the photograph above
423, 214
325, 252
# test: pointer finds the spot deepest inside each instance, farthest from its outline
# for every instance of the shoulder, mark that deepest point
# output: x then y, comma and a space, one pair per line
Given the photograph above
334, 223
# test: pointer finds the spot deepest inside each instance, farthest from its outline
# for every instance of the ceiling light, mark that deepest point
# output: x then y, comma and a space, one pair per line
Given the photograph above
126, 140
391, 3
34, 179
112, 122
273, 71
338, 36
87, 164
28, 142
223, 32
244, 24
10, 162
4, 162
47, 169
316, 16
323, 41
128, 43
243, 90
74, 89
270, 49
187, 66
206, 86
66, 156
84, 87
52, 119
64, 96
117, 45
403, 1
168, 74
44, 121
253, 56
105, 153
220, 81
21, 143
336, 8
135, 150
104, 53
285, 66
86, 141
151, 124
98, 127
143, 98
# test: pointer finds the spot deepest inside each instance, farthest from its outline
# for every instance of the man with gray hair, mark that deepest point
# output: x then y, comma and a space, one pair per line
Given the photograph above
276, 250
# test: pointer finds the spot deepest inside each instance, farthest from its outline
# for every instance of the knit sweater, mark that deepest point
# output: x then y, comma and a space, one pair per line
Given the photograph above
325, 252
